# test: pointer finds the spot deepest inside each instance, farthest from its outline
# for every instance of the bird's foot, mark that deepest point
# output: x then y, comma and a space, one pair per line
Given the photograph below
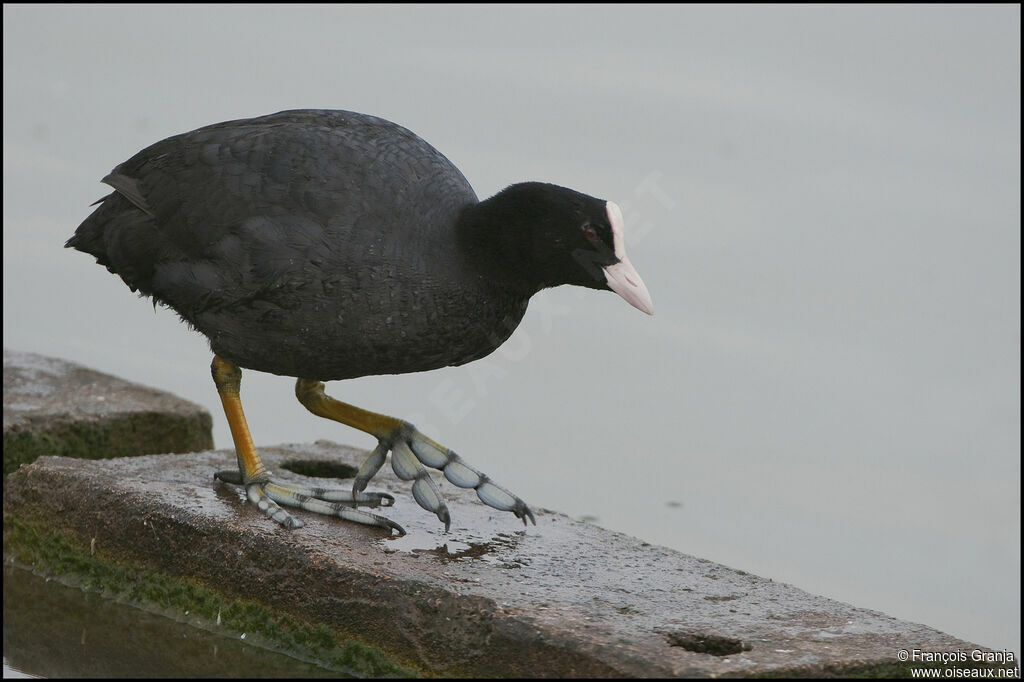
268, 494
411, 451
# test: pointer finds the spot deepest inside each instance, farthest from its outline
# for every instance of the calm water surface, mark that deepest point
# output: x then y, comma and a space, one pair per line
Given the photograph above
55, 631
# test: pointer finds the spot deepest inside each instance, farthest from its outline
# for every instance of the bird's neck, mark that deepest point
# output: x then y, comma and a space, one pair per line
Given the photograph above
493, 237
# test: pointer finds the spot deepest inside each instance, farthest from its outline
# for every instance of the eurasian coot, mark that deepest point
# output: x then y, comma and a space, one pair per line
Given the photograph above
330, 245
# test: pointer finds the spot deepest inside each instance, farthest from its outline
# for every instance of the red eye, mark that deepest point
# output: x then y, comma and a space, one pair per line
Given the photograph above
590, 233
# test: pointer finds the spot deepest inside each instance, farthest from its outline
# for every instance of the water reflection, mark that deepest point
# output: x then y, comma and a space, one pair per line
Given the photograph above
55, 631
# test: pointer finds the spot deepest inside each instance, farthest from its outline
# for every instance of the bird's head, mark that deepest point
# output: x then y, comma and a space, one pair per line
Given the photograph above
551, 235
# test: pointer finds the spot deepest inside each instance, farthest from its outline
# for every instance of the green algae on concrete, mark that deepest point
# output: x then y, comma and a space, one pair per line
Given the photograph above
57, 631
128, 436
57, 555
56, 407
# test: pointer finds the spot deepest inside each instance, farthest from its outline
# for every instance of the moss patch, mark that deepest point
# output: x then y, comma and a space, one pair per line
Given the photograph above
56, 554
143, 433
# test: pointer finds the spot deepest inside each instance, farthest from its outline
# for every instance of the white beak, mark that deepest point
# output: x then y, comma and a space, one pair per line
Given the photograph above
622, 277
624, 280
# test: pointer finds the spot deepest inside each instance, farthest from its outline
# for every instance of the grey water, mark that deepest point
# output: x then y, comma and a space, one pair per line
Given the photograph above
51, 630
823, 201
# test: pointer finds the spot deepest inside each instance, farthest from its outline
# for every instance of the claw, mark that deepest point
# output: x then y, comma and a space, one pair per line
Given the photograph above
256, 494
371, 465
287, 495
411, 451
495, 496
461, 474
269, 495
429, 497
424, 490
345, 497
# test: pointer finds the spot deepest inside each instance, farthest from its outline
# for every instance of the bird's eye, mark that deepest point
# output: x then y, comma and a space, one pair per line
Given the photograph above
589, 232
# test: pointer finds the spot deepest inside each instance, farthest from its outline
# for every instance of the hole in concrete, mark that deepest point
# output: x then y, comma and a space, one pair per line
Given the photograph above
703, 643
319, 468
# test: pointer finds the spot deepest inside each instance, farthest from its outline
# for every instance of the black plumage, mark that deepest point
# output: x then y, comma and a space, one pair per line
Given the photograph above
332, 245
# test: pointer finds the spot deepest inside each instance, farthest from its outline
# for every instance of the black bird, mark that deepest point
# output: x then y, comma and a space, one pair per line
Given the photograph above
330, 245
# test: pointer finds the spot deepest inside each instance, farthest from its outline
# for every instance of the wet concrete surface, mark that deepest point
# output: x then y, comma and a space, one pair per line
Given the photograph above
56, 407
488, 598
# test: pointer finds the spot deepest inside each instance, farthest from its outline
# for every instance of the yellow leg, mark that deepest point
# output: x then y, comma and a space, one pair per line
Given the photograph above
228, 378
311, 394
411, 452
268, 494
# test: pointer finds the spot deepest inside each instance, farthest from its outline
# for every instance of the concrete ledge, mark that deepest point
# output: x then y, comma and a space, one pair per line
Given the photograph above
55, 407
488, 599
